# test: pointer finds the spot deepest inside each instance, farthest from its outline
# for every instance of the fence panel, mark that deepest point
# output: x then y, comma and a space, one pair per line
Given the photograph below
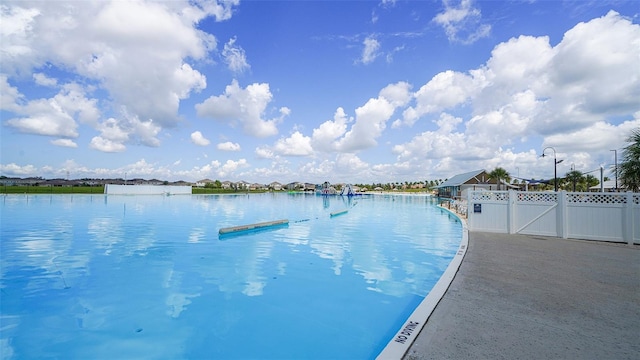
492, 214
589, 216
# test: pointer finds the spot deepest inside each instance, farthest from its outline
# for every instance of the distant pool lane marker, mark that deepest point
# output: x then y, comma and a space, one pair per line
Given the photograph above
249, 227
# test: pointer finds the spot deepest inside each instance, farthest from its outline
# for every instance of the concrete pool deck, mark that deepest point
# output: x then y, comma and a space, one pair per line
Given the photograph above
535, 297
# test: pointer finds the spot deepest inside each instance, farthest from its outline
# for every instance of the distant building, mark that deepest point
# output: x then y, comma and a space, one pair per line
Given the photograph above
457, 186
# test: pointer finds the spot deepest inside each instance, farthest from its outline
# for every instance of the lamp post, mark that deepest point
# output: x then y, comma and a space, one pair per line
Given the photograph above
615, 169
555, 166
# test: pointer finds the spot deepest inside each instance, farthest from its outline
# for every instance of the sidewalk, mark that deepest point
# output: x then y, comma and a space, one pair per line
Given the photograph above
533, 297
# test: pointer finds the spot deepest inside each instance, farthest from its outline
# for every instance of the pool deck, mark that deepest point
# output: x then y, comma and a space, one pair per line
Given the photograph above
535, 297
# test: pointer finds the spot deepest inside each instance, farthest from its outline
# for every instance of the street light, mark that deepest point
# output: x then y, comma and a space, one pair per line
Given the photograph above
555, 166
615, 169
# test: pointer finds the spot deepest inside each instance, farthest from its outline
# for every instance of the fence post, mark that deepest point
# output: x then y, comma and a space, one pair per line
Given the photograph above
511, 211
561, 215
627, 220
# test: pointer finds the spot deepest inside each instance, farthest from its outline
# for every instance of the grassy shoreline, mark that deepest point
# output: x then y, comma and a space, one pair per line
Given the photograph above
194, 191
97, 190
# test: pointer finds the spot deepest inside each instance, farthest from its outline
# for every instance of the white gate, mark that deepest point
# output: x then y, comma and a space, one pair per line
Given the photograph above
579, 215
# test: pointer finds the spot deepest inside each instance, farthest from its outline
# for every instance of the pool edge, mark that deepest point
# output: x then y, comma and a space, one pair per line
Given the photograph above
408, 332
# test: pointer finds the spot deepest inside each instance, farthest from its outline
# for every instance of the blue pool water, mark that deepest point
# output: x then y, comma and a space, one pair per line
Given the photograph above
96, 276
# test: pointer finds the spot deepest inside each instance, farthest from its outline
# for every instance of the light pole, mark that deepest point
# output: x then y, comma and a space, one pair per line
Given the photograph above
615, 169
555, 166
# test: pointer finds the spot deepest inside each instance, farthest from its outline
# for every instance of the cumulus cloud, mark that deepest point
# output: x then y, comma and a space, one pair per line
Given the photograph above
230, 167
398, 94
589, 77
9, 101
13, 169
445, 90
462, 22
136, 51
228, 146
115, 134
235, 57
371, 119
264, 152
323, 138
295, 145
199, 139
55, 116
528, 87
245, 107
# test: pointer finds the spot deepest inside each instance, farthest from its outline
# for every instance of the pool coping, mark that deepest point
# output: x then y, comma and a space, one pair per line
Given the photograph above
402, 340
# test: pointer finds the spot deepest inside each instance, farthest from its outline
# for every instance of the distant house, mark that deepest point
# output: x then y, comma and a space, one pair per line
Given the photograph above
607, 186
241, 185
295, 186
257, 186
457, 186
204, 182
275, 186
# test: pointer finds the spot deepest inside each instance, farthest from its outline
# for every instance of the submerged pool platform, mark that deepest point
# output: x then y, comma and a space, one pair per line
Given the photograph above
339, 212
256, 226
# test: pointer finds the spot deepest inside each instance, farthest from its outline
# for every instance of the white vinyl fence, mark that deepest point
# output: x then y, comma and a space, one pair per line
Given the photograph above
577, 215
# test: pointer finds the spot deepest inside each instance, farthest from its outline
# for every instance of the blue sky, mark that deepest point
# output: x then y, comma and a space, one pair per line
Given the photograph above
339, 91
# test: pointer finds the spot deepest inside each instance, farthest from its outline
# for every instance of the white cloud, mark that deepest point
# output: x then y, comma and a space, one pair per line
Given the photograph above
264, 152
244, 106
13, 169
198, 139
371, 119
529, 88
324, 137
598, 136
43, 80
235, 57
55, 116
370, 51
10, 95
370, 122
64, 143
462, 23
136, 51
17, 33
229, 146
445, 90
230, 167
116, 133
105, 145
295, 145
589, 77
398, 94
46, 118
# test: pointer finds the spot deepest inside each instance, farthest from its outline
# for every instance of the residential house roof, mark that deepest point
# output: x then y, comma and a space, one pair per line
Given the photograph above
460, 179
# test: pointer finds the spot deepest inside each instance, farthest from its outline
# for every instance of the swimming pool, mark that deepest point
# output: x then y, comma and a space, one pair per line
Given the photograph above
96, 276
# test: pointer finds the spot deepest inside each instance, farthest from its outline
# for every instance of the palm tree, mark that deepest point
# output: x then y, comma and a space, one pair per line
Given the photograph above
590, 181
629, 169
574, 176
498, 174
